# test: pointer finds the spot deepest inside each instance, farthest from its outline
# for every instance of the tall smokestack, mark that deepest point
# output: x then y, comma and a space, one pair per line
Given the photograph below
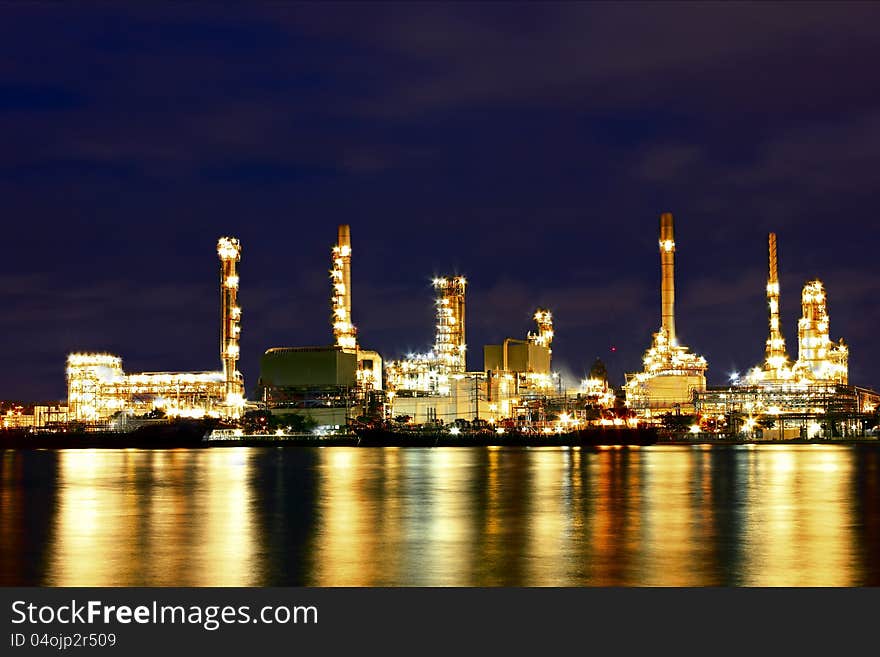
229, 250
776, 355
343, 329
667, 270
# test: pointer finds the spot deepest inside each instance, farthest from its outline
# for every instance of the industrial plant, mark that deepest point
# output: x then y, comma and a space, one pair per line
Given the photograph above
808, 398
342, 383
333, 384
99, 391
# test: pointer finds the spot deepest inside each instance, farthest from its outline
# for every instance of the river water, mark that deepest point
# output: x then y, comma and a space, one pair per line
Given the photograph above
771, 515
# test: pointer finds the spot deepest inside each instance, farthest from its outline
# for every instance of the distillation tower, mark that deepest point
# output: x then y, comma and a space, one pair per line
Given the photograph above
229, 251
777, 368
671, 374
776, 363
819, 358
449, 344
430, 372
343, 330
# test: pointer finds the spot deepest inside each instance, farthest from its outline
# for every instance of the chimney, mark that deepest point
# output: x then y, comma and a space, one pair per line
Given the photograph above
229, 250
343, 329
776, 356
667, 269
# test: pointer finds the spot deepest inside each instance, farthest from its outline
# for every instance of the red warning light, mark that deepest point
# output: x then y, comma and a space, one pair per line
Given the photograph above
613, 348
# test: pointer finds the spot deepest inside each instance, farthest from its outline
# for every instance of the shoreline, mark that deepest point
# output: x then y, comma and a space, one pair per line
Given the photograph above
867, 440
196, 439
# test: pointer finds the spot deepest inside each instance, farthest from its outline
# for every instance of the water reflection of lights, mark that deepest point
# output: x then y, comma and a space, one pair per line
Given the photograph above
661, 515
799, 531
158, 518
550, 524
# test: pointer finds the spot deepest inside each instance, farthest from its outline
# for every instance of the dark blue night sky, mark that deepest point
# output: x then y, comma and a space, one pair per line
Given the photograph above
531, 147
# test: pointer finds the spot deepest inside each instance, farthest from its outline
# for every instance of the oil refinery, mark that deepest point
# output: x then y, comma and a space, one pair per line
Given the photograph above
98, 390
341, 383
810, 398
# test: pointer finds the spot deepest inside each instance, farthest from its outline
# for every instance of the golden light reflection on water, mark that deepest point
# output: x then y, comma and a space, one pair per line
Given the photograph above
550, 532
682, 534
227, 542
450, 531
800, 526
344, 537
658, 516
160, 518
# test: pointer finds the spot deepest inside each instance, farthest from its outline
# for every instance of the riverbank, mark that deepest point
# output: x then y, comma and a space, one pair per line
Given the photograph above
866, 440
198, 435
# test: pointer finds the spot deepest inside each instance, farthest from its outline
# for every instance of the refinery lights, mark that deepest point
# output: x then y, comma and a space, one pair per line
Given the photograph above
819, 360
430, 372
98, 388
344, 331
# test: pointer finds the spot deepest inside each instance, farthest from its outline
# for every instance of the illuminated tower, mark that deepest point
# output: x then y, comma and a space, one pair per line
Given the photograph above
777, 358
544, 336
449, 345
229, 250
667, 270
671, 372
343, 329
819, 358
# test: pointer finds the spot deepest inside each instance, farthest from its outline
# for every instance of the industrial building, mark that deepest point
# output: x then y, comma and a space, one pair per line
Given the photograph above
39, 416
671, 374
808, 398
436, 387
328, 384
522, 368
98, 389
316, 382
